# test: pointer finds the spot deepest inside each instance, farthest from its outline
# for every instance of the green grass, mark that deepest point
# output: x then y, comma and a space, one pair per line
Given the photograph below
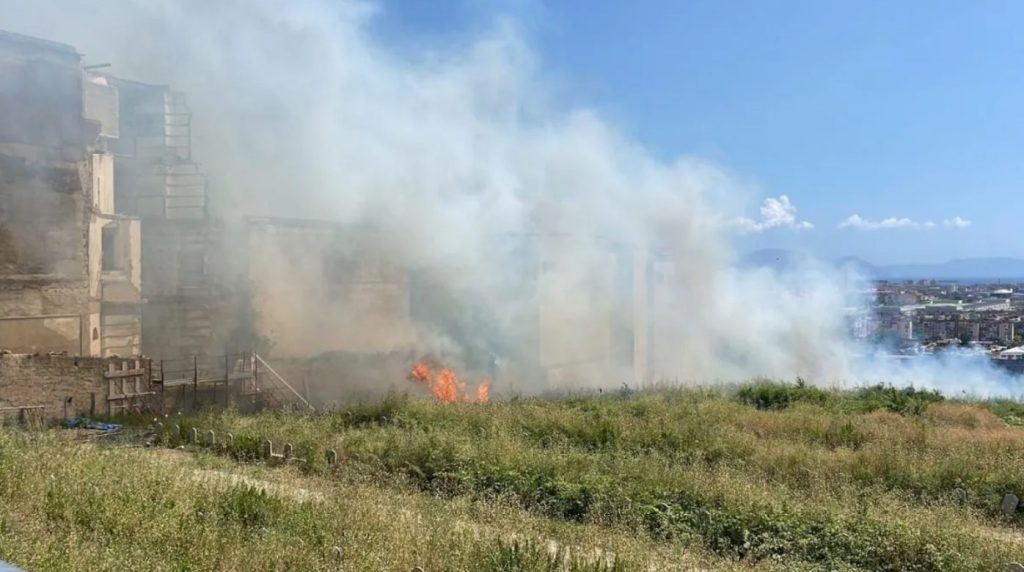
770, 476
69, 505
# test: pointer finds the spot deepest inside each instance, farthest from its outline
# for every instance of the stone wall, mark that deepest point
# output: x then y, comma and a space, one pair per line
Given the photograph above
41, 93
186, 308
45, 174
44, 314
64, 385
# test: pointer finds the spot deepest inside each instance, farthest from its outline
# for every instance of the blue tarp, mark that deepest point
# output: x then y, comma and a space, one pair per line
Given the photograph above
83, 423
5, 567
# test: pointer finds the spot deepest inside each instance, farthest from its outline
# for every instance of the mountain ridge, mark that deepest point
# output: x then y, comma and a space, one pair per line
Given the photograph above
975, 268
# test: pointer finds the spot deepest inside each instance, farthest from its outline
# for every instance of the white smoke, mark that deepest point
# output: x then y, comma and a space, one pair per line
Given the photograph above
301, 111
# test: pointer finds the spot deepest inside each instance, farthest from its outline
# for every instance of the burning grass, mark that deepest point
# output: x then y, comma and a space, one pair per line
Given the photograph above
446, 386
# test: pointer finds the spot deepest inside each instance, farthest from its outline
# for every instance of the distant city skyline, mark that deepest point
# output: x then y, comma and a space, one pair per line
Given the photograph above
886, 131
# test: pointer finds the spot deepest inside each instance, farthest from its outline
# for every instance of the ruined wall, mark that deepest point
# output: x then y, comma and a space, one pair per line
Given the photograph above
121, 287
42, 224
45, 175
40, 93
50, 381
593, 323
573, 312
43, 314
157, 177
45, 301
187, 311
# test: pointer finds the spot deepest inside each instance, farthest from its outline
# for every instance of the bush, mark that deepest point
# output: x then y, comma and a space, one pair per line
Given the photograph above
1012, 412
249, 507
770, 395
373, 413
246, 448
905, 401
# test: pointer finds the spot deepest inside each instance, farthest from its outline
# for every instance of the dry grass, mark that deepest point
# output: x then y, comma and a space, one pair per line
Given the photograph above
73, 506
661, 480
807, 484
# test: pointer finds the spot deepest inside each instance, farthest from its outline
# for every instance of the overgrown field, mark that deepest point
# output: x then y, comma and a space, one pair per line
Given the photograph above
771, 476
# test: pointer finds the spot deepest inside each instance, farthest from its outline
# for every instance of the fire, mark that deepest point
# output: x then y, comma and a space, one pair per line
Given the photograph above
446, 387
483, 392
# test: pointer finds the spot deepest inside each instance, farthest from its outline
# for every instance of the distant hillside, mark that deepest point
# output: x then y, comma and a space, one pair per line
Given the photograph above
862, 267
996, 268
960, 269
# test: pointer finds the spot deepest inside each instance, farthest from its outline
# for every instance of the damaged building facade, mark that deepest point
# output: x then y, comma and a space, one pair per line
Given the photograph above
159, 182
70, 262
108, 247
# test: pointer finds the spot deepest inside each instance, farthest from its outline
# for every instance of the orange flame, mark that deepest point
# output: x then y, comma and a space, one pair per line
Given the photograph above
483, 392
446, 387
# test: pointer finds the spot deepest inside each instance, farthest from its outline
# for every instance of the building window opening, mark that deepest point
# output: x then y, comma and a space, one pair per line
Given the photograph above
111, 260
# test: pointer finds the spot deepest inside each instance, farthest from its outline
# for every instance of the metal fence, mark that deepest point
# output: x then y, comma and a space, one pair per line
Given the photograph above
242, 379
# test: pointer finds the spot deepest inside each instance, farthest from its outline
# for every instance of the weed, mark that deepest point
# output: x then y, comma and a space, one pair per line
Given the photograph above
249, 507
772, 395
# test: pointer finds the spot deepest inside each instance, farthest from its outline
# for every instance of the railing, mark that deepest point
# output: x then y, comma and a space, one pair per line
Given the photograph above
203, 369
284, 384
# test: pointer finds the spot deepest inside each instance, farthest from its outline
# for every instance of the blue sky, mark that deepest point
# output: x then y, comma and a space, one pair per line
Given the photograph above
887, 110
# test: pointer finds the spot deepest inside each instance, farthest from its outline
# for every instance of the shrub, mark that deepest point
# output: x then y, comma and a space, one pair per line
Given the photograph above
905, 401
246, 448
249, 507
1012, 412
773, 395
372, 413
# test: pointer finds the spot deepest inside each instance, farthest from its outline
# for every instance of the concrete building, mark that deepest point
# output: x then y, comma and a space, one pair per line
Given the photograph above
182, 246
70, 265
936, 328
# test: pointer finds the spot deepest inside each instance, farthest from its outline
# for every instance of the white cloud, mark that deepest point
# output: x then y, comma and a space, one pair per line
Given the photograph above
858, 222
775, 213
956, 222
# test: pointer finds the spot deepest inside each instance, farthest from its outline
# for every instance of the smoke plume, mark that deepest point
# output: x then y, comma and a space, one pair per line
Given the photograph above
452, 157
